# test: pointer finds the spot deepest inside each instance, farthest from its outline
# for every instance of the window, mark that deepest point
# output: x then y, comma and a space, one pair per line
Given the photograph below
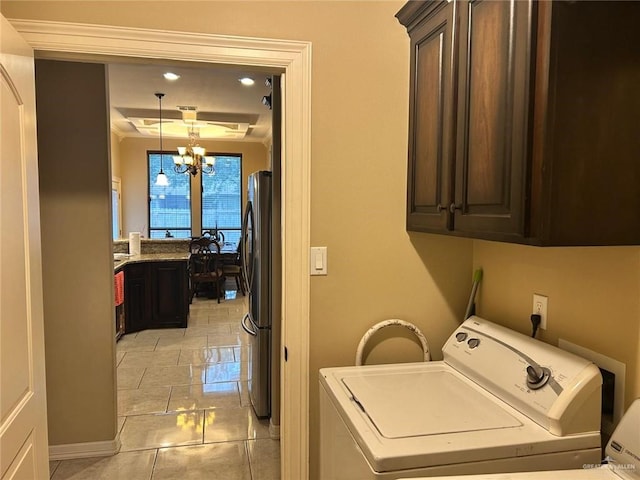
222, 197
170, 206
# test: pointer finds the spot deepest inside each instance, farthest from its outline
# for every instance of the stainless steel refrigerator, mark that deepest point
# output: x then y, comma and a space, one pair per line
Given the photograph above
257, 267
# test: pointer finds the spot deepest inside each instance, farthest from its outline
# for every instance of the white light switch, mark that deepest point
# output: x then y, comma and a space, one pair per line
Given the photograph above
318, 260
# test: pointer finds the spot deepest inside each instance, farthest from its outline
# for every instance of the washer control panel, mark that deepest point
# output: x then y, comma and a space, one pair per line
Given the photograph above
536, 378
472, 342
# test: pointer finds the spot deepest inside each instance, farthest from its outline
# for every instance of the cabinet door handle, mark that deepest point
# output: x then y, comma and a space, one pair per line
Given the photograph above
440, 207
453, 207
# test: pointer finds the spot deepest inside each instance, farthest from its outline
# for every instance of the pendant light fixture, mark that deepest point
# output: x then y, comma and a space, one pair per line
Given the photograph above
161, 179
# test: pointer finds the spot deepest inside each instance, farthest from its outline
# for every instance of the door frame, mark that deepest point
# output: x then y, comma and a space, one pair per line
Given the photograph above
50, 39
116, 185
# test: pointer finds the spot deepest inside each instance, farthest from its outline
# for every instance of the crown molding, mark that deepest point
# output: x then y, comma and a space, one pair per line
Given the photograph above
142, 43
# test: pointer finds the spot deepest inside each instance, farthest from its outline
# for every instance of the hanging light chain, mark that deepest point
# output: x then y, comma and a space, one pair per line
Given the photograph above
161, 179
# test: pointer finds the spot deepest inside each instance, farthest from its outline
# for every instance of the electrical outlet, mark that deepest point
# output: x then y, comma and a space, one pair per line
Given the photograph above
540, 307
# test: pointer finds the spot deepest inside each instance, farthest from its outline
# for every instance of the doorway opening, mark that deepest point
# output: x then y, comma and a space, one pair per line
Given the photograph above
52, 39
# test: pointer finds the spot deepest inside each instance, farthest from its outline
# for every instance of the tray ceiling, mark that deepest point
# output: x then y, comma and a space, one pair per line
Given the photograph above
224, 108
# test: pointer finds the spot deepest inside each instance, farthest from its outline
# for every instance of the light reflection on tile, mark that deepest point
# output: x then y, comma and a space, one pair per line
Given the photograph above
224, 372
226, 461
175, 375
202, 356
215, 329
129, 465
227, 340
230, 424
143, 400
233, 422
165, 430
241, 354
205, 396
243, 387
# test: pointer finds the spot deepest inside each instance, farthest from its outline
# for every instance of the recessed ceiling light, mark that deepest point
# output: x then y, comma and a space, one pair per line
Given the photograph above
247, 81
171, 76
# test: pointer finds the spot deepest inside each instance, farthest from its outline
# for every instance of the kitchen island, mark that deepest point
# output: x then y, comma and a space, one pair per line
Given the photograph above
156, 287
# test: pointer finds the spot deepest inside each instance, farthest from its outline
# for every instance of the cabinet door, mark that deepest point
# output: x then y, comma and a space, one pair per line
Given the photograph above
169, 294
431, 122
493, 118
136, 298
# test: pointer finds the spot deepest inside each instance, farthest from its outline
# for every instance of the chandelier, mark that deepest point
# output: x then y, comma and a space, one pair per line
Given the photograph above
193, 158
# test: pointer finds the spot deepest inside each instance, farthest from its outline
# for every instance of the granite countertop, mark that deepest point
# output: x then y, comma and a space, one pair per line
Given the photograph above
120, 259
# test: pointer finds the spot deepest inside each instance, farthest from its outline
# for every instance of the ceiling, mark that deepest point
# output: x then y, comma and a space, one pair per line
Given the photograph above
224, 108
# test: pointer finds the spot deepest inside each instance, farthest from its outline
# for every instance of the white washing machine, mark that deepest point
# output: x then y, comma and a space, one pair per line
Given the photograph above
498, 402
623, 457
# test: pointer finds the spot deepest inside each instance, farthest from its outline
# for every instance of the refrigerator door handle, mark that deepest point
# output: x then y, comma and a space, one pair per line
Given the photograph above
247, 251
250, 331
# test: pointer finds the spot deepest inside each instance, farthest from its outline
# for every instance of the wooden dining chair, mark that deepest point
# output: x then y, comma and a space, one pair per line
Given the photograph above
205, 267
200, 245
233, 268
215, 235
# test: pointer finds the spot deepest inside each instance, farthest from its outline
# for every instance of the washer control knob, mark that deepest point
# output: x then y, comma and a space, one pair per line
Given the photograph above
461, 336
537, 376
473, 342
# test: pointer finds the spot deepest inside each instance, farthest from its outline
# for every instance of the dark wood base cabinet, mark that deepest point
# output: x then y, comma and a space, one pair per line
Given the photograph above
156, 295
523, 120
119, 316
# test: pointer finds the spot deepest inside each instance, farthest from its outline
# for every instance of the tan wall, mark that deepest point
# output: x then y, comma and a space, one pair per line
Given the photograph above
359, 141
594, 296
359, 134
133, 153
376, 270
76, 253
115, 156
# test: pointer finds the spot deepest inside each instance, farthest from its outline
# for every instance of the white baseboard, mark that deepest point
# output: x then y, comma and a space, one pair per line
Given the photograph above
84, 450
274, 431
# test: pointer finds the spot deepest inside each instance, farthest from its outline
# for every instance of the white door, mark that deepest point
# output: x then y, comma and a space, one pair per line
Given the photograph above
23, 416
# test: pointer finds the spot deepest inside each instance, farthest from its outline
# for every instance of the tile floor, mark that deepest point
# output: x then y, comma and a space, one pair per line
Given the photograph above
183, 406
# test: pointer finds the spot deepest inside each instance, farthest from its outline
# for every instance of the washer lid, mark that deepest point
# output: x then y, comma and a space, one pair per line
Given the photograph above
402, 405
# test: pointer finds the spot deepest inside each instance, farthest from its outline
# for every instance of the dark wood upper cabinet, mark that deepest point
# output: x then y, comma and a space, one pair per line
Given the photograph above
493, 90
524, 120
431, 121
